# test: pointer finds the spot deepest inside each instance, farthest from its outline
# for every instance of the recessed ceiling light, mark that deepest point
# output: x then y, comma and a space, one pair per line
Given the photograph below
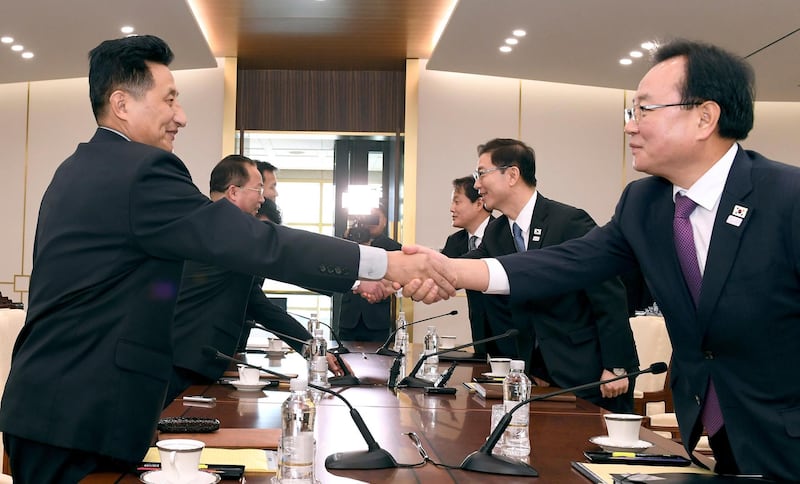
505, 49
17, 48
127, 29
519, 33
635, 54
512, 41
649, 45
625, 62
27, 55
6, 39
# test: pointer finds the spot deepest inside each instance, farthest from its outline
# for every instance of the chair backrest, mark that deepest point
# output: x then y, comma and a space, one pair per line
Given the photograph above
11, 321
652, 344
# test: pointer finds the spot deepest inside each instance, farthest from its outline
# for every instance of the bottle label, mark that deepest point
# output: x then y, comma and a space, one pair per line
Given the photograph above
521, 416
298, 450
319, 363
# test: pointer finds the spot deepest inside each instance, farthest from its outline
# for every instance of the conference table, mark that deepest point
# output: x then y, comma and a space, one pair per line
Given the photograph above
449, 427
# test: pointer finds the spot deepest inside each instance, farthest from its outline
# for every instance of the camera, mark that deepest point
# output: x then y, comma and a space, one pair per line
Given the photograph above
359, 226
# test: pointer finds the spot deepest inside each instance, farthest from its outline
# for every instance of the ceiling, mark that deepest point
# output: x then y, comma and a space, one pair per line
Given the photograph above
570, 41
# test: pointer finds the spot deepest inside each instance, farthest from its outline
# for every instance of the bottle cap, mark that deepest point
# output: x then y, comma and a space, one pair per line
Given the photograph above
298, 385
518, 365
431, 328
402, 315
313, 315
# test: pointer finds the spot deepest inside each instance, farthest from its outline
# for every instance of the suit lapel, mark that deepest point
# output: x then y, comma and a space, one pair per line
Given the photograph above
538, 225
505, 241
726, 235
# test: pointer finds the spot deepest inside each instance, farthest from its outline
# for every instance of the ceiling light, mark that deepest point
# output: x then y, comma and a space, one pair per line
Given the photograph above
649, 45
519, 33
635, 54
505, 49
625, 62
27, 55
127, 29
512, 41
17, 48
6, 39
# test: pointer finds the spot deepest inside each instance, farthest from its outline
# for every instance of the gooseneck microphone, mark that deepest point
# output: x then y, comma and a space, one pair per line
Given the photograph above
482, 460
384, 349
347, 379
341, 349
373, 458
413, 381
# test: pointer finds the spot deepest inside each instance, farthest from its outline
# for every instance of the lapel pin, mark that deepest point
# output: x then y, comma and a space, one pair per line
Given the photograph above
739, 211
538, 231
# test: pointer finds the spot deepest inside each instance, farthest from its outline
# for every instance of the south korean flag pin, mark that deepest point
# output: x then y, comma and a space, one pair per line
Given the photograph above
737, 215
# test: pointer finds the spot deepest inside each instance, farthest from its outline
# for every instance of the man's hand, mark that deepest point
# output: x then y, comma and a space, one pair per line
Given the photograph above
374, 291
334, 367
613, 389
417, 263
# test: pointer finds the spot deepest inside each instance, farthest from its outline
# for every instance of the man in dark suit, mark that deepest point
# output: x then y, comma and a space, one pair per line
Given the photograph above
471, 216
91, 365
576, 338
734, 331
359, 319
213, 303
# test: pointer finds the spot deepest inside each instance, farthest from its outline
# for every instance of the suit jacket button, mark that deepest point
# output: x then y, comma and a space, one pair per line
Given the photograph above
697, 399
709, 355
338, 270
321, 268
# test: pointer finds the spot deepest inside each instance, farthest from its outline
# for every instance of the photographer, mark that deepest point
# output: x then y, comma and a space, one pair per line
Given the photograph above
359, 320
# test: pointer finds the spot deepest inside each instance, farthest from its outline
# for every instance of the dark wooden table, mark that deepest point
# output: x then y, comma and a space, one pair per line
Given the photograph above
450, 427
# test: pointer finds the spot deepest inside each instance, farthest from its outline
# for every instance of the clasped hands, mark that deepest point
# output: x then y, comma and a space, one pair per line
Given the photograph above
423, 274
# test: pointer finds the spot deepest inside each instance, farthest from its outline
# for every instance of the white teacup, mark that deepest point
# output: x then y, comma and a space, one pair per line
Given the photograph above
500, 366
275, 344
447, 342
248, 375
623, 428
180, 459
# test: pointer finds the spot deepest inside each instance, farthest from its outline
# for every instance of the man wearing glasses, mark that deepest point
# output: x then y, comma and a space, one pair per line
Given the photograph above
715, 230
578, 337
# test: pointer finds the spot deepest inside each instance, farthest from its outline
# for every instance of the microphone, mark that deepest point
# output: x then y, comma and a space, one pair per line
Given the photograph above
414, 382
482, 460
394, 372
384, 349
347, 379
341, 349
373, 458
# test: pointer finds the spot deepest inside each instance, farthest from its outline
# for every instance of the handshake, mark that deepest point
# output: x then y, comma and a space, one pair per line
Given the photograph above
424, 275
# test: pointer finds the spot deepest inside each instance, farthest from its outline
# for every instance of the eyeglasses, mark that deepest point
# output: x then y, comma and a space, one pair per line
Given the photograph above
260, 190
636, 113
418, 444
479, 173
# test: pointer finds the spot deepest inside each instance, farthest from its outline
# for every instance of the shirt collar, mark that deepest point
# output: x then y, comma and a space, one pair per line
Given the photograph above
525, 215
481, 228
707, 190
114, 131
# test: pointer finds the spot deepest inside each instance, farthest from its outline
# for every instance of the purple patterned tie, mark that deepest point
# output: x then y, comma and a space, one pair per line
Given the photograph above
687, 255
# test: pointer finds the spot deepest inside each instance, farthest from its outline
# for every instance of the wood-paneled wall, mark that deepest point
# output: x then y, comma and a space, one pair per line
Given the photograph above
343, 101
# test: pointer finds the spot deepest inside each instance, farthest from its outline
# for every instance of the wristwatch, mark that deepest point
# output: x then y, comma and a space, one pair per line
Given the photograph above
619, 371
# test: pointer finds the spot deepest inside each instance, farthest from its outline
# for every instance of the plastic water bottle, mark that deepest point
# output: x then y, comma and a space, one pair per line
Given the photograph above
318, 361
430, 369
516, 388
313, 323
401, 336
296, 447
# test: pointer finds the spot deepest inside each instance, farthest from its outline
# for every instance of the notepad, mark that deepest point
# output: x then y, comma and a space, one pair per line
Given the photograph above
602, 473
253, 460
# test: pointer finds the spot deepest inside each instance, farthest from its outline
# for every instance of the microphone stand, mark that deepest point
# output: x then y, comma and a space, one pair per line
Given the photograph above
482, 460
384, 349
412, 381
348, 379
373, 458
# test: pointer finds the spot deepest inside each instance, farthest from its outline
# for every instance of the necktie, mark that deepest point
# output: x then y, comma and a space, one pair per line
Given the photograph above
473, 242
519, 241
687, 255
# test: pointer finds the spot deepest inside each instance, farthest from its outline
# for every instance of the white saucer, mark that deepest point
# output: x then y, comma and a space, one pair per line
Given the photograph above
248, 387
609, 446
276, 353
489, 374
159, 477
